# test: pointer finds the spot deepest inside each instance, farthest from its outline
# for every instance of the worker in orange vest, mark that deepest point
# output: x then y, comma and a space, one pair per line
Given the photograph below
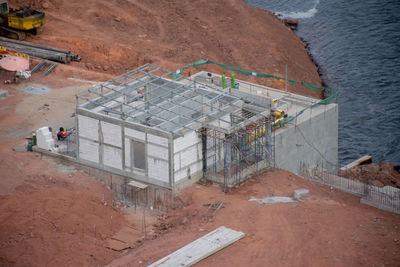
61, 134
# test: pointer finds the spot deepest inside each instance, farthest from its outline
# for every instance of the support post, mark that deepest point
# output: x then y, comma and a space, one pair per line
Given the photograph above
147, 89
286, 78
204, 153
227, 162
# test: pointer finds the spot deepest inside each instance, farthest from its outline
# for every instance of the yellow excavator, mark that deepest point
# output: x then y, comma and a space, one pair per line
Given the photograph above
16, 23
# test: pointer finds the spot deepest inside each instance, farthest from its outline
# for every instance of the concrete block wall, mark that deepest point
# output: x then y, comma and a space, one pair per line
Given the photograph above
108, 146
100, 142
156, 154
188, 157
88, 139
310, 141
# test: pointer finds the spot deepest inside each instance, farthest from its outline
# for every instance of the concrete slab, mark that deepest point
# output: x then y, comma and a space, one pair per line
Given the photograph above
301, 194
200, 248
137, 185
3, 93
20, 148
272, 200
35, 89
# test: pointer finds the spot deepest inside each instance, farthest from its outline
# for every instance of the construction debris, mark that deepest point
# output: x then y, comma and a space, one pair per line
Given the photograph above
301, 194
361, 161
125, 238
39, 66
50, 69
212, 209
200, 248
3, 93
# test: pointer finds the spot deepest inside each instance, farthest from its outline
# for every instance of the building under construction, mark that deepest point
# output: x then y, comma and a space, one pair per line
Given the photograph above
154, 130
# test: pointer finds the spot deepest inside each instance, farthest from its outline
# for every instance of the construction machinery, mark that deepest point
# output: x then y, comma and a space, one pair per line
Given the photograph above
15, 23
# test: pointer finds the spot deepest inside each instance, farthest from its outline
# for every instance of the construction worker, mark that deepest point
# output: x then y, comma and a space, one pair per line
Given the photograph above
62, 134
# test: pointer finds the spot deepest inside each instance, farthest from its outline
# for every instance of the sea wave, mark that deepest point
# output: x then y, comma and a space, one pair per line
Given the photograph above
299, 15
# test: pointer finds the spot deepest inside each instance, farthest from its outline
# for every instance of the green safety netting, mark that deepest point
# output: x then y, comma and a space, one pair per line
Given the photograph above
332, 94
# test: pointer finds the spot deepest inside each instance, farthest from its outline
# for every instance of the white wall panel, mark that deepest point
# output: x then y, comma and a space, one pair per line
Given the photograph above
177, 161
179, 175
88, 150
187, 140
183, 173
189, 156
157, 140
112, 157
199, 151
158, 169
127, 152
88, 127
135, 134
157, 151
111, 134
198, 166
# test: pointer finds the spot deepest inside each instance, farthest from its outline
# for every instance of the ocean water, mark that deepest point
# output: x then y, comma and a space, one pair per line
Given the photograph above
356, 44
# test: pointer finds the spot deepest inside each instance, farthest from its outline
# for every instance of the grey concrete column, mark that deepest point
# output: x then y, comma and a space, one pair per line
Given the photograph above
227, 163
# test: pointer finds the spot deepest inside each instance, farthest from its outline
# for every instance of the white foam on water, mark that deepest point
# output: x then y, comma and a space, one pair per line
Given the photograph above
301, 14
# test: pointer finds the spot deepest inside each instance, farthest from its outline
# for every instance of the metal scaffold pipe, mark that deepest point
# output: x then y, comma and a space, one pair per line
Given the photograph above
39, 51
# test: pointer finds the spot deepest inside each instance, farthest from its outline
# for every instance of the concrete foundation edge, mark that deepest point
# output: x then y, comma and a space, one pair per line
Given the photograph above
154, 197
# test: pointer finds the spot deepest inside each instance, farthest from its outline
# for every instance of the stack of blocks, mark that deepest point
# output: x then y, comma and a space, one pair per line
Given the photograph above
45, 139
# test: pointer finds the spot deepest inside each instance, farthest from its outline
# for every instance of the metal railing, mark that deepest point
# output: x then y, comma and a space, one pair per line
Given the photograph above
385, 198
149, 197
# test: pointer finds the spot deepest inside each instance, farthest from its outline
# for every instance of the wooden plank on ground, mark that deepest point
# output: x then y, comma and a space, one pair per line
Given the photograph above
360, 161
125, 238
117, 245
200, 248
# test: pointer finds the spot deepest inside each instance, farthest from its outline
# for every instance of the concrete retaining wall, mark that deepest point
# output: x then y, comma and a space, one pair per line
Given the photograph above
309, 141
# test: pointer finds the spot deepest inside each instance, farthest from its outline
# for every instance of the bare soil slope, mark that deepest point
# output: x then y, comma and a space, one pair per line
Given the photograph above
115, 35
52, 216
49, 213
331, 228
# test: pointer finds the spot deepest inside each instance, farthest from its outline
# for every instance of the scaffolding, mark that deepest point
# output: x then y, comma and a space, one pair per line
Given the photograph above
146, 96
236, 133
229, 159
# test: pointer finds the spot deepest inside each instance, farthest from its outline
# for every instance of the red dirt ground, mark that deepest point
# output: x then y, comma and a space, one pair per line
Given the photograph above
48, 212
331, 228
114, 35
